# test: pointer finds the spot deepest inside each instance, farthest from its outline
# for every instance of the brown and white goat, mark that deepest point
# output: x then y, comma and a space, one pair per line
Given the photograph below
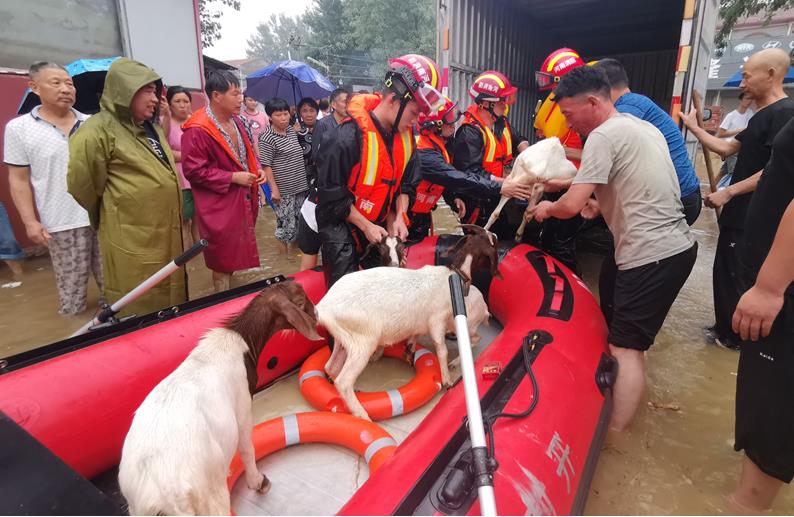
182, 439
536, 165
373, 308
390, 250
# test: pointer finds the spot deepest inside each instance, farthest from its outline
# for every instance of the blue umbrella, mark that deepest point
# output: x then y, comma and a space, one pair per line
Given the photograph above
89, 80
737, 78
289, 80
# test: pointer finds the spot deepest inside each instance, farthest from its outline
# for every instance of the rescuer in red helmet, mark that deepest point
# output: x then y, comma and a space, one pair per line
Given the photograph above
559, 236
478, 147
440, 178
367, 167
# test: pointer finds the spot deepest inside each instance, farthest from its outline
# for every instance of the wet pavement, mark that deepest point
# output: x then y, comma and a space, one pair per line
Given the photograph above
677, 458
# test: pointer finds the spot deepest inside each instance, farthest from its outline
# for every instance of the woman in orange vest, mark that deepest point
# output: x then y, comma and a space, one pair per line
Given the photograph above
368, 168
435, 134
477, 147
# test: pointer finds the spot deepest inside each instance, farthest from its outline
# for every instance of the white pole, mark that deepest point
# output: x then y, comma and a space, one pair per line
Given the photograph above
147, 284
473, 409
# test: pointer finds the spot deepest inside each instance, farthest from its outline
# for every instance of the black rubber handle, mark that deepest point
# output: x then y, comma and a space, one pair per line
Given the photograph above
194, 250
456, 291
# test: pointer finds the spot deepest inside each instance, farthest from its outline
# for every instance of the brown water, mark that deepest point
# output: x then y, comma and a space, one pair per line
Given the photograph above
670, 462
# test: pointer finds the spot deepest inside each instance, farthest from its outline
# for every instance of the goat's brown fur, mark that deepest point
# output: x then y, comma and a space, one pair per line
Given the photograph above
481, 245
278, 307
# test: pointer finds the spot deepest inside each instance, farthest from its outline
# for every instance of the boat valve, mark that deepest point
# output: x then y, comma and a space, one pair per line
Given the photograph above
463, 477
459, 482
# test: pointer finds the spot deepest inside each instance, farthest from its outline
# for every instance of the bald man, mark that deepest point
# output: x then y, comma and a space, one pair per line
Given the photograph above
762, 80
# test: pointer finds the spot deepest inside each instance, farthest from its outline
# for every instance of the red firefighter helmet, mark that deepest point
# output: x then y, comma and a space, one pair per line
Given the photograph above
447, 114
415, 77
492, 86
556, 65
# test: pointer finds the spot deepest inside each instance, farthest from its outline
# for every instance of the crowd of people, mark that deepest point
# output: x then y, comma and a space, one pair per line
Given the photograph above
119, 194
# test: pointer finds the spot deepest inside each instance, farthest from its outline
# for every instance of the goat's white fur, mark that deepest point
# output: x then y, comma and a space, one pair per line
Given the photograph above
373, 308
536, 165
193, 421
391, 243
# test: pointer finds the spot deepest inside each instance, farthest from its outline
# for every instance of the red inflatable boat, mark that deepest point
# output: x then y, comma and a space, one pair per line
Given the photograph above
547, 366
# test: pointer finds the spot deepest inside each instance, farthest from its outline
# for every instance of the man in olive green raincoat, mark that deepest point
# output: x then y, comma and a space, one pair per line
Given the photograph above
121, 171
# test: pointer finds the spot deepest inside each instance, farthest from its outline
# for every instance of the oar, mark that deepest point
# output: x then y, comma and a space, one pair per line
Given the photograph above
482, 472
696, 102
108, 312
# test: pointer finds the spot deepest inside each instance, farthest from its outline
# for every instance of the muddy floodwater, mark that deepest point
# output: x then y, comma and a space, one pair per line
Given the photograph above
677, 458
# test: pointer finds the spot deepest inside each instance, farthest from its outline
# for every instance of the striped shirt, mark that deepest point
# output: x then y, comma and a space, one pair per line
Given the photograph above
284, 154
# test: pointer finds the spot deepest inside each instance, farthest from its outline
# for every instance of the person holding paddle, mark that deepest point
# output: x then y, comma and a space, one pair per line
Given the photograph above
762, 80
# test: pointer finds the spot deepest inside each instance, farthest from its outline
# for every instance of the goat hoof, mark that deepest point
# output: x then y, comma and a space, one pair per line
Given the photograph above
264, 486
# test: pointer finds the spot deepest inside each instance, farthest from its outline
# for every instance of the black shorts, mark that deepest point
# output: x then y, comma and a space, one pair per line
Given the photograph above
308, 240
765, 396
642, 296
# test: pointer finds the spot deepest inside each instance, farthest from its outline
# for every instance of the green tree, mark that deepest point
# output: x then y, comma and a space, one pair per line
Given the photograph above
330, 43
209, 19
278, 38
385, 28
731, 11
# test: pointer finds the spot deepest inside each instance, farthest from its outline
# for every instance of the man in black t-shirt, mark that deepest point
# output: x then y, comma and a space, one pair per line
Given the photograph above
765, 315
762, 79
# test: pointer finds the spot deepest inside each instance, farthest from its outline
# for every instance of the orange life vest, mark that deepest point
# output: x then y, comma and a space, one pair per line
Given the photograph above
497, 153
427, 193
375, 179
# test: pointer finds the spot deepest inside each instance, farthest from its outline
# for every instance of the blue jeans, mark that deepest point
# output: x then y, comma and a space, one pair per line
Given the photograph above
9, 248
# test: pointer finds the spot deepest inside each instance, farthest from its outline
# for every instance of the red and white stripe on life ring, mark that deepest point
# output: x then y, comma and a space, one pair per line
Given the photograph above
322, 395
368, 440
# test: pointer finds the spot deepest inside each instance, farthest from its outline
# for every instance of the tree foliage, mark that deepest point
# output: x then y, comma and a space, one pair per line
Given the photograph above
209, 19
277, 39
731, 11
352, 39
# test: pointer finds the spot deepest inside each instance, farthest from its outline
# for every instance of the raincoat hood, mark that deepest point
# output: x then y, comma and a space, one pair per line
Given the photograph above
124, 78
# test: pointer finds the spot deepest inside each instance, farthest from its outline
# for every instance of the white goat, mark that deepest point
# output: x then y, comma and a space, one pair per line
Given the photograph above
177, 452
536, 165
377, 307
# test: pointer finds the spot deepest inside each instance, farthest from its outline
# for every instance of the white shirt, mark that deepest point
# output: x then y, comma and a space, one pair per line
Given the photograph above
735, 120
31, 141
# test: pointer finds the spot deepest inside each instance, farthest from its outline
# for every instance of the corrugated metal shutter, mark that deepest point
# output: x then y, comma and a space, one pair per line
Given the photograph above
489, 35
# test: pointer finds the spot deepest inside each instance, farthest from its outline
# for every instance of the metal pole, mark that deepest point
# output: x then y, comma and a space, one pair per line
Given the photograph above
483, 477
165, 272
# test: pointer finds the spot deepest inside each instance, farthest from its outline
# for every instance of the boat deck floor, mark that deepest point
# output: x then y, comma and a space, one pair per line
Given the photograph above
318, 479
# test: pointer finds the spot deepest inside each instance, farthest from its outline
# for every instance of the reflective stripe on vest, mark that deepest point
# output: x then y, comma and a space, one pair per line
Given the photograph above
427, 193
375, 179
493, 155
507, 143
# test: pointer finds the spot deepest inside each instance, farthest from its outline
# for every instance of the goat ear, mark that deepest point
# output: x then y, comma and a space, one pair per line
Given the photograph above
493, 258
367, 252
473, 228
299, 320
402, 252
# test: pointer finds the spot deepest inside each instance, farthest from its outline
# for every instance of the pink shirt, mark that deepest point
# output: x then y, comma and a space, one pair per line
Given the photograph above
175, 141
258, 123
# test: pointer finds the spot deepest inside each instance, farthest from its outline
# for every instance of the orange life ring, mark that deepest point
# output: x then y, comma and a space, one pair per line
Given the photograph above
322, 395
368, 440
